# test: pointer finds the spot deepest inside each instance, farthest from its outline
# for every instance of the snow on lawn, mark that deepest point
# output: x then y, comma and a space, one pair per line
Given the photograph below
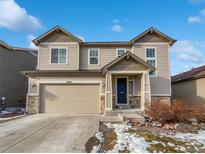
193, 138
126, 140
96, 148
134, 141
11, 110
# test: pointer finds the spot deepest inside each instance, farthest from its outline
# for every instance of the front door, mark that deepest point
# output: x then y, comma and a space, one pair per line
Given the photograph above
121, 90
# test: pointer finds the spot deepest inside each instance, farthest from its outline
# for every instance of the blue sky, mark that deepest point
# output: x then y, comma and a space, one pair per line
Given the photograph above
110, 20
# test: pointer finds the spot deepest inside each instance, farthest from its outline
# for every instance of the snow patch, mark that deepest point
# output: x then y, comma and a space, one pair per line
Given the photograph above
192, 138
96, 148
99, 136
4, 112
126, 140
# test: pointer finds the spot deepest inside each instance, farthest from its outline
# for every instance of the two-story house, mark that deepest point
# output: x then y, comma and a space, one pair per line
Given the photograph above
13, 85
99, 77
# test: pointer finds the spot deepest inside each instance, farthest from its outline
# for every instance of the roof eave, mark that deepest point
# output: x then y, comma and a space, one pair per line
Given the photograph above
56, 28
171, 40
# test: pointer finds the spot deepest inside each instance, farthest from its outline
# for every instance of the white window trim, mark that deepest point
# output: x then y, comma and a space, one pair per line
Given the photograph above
151, 58
53, 47
98, 56
119, 49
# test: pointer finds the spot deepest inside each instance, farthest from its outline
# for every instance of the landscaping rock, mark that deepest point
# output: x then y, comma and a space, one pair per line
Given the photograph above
201, 126
187, 128
155, 124
169, 126
134, 122
193, 121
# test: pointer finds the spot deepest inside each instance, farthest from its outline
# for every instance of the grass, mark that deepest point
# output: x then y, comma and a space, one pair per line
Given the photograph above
157, 142
166, 144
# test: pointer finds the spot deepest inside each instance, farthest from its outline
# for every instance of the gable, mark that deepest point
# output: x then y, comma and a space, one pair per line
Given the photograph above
151, 38
58, 37
128, 65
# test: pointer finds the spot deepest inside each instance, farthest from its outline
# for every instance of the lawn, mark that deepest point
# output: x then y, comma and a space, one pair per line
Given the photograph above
117, 137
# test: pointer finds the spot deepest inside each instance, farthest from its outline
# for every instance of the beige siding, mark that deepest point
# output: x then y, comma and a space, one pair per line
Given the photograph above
13, 85
151, 38
72, 57
58, 37
201, 90
65, 79
192, 91
107, 54
160, 85
126, 64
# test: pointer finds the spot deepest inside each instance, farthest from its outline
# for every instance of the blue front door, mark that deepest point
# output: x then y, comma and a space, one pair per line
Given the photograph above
122, 90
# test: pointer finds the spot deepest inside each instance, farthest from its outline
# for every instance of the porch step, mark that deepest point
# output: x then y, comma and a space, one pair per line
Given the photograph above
110, 119
125, 116
124, 111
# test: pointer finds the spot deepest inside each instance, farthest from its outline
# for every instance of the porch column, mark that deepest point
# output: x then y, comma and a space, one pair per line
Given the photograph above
108, 91
142, 92
145, 90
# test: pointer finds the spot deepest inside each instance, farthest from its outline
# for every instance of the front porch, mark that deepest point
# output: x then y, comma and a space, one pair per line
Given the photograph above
132, 92
127, 84
126, 92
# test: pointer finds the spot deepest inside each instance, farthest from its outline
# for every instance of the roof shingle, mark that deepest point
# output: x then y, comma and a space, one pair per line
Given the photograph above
192, 74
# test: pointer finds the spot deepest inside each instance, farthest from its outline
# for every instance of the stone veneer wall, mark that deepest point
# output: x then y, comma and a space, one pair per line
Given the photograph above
163, 99
135, 101
32, 106
102, 104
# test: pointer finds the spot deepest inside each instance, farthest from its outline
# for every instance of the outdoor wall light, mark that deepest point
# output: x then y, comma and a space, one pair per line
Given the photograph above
33, 84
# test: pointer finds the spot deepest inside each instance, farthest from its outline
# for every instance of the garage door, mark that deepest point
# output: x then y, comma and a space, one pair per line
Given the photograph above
70, 98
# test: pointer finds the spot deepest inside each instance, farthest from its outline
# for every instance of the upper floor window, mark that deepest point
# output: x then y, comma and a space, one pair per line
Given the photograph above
151, 59
58, 55
120, 52
93, 56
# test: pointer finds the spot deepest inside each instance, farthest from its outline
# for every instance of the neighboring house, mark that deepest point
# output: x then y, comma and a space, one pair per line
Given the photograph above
99, 77
13, 85
190, 85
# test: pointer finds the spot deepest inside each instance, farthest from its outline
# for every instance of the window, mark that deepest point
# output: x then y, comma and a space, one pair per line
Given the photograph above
93, 56
151, 58
58, 56
120, 52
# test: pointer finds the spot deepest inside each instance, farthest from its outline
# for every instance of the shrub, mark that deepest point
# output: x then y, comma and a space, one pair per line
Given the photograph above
180, 109
197, 111
176, 111
159, 111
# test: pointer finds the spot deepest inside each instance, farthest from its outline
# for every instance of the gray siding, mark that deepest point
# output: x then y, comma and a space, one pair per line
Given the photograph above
13, 85
192, 91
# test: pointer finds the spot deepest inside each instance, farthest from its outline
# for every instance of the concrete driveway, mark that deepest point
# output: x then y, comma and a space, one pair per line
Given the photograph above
48, 133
